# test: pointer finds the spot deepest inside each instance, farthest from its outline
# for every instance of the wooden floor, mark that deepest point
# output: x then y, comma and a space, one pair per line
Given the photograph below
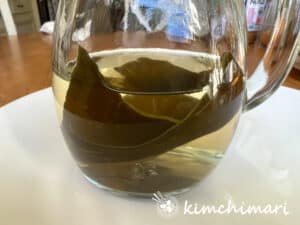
293, 79
25, 66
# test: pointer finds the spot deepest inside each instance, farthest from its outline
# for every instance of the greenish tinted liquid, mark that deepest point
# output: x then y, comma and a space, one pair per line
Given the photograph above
140, 121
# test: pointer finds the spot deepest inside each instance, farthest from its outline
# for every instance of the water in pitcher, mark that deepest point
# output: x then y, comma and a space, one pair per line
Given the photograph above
147, 120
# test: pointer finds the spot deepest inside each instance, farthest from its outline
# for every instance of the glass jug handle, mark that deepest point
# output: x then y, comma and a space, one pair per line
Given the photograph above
280, 54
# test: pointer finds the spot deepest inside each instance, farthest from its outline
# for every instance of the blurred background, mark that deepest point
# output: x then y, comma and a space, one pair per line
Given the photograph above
26, 41
28, 15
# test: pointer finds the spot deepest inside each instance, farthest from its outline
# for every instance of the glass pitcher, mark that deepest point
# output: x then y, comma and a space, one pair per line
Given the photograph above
149, 92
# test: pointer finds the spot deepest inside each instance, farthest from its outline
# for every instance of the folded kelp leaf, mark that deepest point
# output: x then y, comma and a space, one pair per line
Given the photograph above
101, 126
174, 108
91, 111
148, 76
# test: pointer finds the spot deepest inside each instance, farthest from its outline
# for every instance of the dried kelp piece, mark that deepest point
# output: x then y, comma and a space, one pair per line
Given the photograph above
96, 114
149, 76
100, 127
174, 108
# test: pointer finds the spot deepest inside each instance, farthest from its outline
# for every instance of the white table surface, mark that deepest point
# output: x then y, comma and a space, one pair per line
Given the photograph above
41, 185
